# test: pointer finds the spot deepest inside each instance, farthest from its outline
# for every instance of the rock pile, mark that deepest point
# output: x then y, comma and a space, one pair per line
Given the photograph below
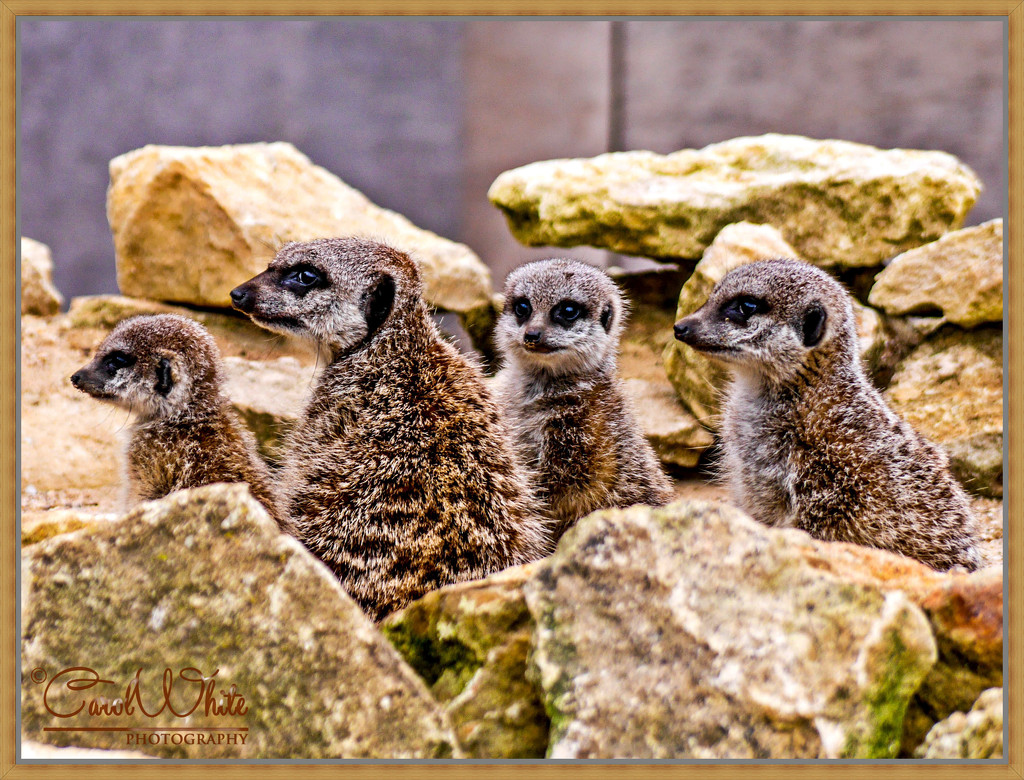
689, 631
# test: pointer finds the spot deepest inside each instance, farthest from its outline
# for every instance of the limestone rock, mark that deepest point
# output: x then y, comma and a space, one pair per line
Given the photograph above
699, 382
470, 642
951, 390
49, 752
976, 734
45, 525
38, 295
269, 395
190, 224
676, 436
693, 631
961, 274
838, 203
203, 580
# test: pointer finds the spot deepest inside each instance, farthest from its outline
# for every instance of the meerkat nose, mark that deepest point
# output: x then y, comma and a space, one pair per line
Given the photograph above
684, 331
76, 379
532, 336
242, 299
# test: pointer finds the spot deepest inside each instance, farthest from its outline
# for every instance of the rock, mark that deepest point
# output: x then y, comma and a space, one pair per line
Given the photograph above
978, 734
38, 295
840, 204
40, 751
693, 631
699, 382
951, 390
190, 224
470, 642
68, 440
676, 436
960, 274
46, 525
269, 396
202, 580
234, 333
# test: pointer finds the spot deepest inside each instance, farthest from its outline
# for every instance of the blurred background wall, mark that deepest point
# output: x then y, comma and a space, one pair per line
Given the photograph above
422, 114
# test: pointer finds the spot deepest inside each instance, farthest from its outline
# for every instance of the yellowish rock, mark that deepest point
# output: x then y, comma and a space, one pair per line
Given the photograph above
961, 275
190, 224
38, 295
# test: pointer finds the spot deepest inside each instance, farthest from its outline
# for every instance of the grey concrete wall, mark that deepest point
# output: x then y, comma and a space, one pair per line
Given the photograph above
422, 114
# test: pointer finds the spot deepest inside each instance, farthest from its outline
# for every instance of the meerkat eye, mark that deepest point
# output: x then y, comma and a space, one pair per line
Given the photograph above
117, 360
302, 279
742, 308
522, 309
567, 312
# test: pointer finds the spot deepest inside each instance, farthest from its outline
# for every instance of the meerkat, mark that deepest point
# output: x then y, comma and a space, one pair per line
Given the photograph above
400, 472
166, 369
559, 337
807, 440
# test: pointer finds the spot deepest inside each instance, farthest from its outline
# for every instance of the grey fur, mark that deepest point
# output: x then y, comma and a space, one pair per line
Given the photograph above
559, 388
808, 442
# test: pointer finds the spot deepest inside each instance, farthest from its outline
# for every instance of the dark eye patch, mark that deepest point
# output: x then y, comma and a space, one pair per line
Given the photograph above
116, 360
741, 308
566, 312
300, 279
522, 309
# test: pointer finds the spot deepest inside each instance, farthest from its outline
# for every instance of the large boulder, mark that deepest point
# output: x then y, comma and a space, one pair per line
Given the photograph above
38, 295
839, 203
470, 642
950, 389
258, 638
692, 631
190, 224
960, 275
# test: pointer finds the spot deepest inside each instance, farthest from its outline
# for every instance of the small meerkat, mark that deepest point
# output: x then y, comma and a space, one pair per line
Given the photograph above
559, 337
166, 369
807, 440
399, 473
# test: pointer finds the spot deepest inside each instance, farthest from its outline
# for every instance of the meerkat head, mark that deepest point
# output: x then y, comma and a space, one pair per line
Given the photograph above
775, 318
336, 292
155, 366
560, 317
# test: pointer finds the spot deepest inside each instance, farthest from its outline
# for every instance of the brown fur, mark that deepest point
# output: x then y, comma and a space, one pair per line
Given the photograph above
569, 409
399, 473
185, 433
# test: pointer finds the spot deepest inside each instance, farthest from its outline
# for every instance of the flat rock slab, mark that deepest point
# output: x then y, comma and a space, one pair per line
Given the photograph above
190, 224
693, 631
950, 389
838, 203
203, 581
961, 275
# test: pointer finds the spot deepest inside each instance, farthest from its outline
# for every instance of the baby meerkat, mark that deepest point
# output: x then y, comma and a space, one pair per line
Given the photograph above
399, 473
807, 440
559, 337
166, 369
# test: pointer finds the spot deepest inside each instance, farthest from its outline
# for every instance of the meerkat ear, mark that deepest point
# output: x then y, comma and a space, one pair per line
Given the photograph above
164, 382
813, 324
606, 318
378, 304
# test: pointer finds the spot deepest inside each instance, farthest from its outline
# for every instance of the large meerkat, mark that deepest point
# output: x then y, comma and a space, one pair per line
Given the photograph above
807, 440
166, 369
559, 337
399, 473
